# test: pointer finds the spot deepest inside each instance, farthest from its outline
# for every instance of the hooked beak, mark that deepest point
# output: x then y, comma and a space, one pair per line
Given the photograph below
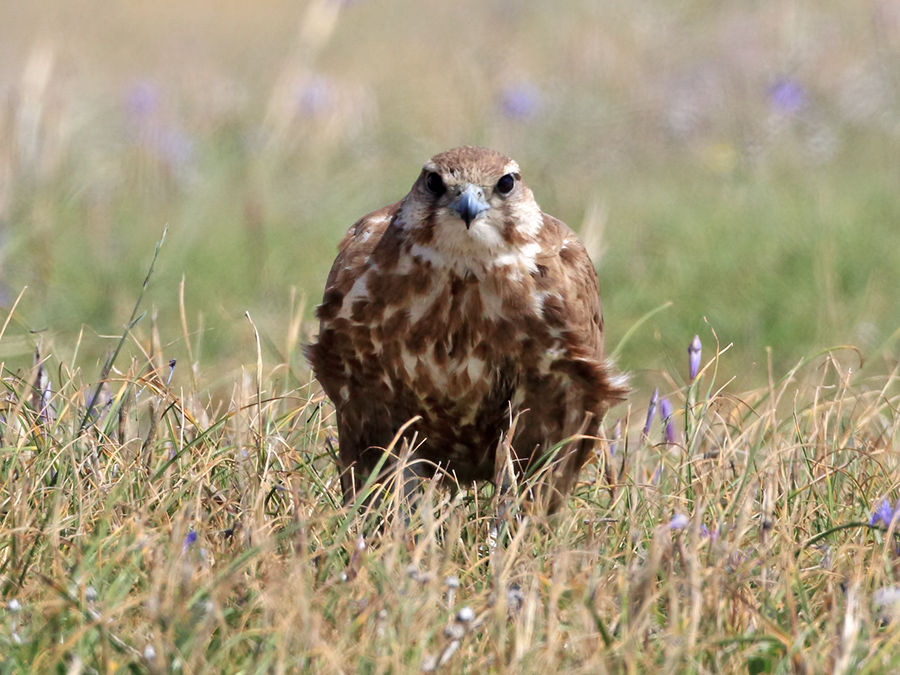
470, 204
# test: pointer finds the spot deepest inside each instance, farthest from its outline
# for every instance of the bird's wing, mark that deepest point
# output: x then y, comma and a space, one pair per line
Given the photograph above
573, 300
352, 260
327, 355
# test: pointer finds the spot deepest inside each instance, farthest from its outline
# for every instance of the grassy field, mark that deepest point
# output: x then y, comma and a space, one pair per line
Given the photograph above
733, 170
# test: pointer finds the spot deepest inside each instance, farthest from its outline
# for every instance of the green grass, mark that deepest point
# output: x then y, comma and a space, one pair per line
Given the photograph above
255, 136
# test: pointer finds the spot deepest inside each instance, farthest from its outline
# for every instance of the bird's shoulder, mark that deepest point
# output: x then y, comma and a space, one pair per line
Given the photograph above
355, 252
569, 284
559, 241
361, 240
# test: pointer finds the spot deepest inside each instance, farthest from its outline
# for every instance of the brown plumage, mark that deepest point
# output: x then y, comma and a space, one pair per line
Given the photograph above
465, 305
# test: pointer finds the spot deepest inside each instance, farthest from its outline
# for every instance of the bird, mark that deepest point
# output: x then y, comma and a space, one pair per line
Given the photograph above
465, 318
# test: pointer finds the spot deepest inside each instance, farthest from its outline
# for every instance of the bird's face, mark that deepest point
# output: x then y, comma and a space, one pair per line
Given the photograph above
471, 200
467, 195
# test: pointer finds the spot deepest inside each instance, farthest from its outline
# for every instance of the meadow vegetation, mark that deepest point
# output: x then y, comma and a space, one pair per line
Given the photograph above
168, 497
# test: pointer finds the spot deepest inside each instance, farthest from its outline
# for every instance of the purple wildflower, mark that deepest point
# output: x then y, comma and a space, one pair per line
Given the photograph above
787, 96
679, 522
174, 146
651, 411
316, 97
665, 412
884, 514
694, 356
142, 100
617, 434
520, 101
189, 541
706, 534
150, 130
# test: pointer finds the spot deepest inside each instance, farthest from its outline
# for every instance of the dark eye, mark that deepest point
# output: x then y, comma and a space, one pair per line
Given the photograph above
506, 184
435, 184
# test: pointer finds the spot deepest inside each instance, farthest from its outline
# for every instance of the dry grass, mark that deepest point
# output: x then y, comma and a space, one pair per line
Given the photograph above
146, 529
737, 160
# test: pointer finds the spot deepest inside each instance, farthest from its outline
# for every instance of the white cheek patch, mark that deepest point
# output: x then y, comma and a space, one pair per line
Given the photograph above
411, 215
528, 218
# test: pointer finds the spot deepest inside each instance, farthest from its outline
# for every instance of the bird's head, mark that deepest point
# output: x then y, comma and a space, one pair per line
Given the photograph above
470, 199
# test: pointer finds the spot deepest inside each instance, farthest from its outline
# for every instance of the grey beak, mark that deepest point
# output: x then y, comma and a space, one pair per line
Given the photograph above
470, 204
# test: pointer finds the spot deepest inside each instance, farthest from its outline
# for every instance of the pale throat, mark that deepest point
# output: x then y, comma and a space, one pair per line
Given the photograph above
482, 246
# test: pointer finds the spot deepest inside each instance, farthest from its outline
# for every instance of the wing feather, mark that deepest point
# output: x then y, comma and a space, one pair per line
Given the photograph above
577, 283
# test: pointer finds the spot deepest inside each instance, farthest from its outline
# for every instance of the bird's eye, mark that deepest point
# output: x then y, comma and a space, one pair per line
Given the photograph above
435, 184
506, 184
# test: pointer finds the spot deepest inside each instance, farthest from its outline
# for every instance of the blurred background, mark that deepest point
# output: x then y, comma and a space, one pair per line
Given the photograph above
739, 160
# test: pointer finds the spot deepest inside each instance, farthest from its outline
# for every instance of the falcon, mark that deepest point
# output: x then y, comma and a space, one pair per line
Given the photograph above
465, 307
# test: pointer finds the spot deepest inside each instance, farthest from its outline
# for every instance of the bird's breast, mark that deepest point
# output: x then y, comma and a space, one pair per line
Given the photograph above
446, 357
444, 337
